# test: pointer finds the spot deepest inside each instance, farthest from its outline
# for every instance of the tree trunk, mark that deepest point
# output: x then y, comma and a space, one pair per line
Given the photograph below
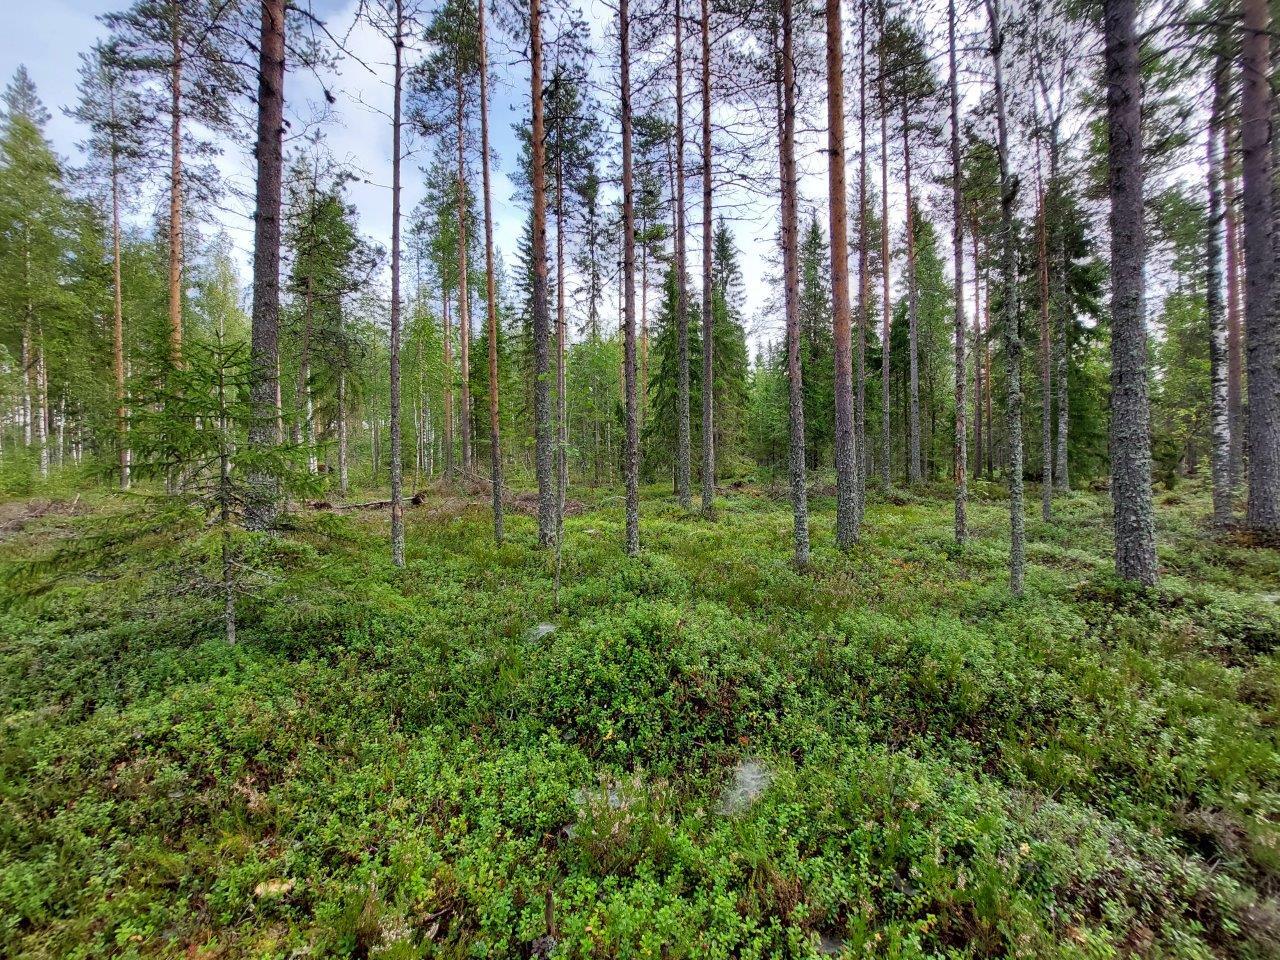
631, 456
846, 454
449, 374
562, 344
886, 441
708, 331
1012, 334
117, 328
263, 502
960, 457
397, 498
175, 177
913, 300
1130, 417
683, 452
1046, 368
1219, 414
541, 315
1235, 325
791, 282
1262, 334
491, 294
864, 281
464, 292
343, 474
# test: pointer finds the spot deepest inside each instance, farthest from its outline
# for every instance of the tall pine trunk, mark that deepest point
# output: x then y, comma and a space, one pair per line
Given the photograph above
978, 380
397, 498
1262, 334
791, 283
1235, 322
264, 500
491, 294
631, 456
117, 324
1046, 365
886, 439
464, 289
1009, 307
708, 315
864, 279
683, 452
960, 457
1130, 417
175, 180
846, 453
913, 300
1219, 413
543, 454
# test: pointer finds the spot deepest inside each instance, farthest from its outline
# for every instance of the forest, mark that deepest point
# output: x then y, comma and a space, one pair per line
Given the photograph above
640, 479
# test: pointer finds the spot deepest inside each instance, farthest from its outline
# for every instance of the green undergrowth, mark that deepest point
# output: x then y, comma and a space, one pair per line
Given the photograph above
393, 763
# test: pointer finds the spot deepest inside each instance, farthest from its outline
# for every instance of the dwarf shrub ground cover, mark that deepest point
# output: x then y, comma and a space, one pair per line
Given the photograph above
392, 764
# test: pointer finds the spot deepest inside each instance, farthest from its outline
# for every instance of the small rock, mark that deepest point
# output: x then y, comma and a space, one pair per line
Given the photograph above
540, 630
543, 946
830, 944
273, 888
750, 779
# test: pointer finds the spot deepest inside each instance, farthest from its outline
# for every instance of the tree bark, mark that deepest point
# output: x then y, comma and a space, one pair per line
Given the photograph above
1235, 324
543, 455
960, 457
846, 453
1262, 334
708, 321
791, 282
175, 183
977, 355
491, 294
464, 290
1130, 417
886, 440
864, 280
397, 498
1012, 333
683, 452
263, 501
631, 456
450, 474
1046, 367
117, 325
1219, 412
913, 334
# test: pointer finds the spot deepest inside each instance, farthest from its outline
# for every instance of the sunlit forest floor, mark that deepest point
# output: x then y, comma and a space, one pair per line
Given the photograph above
698, 753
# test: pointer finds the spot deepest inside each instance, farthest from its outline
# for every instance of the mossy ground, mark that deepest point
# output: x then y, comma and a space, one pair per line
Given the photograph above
392, 764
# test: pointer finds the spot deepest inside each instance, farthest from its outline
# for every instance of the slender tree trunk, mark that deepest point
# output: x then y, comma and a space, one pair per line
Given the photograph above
990, 382
224, 507
864, 282
846, 453
541, 315
264, 500
302, 392
683, 452
1012, 334
708, 322
464, 290
175, 182
977, 355
1062, 311
42, 398
491, 294
1046, 368
397, 497
791, 282
1235, 324
913, 310
631, 456
343, 473
117, 328
28, 372
562, 405
1262, 334
960, 458
1130, 417
1219, 414
886, 440
449, 374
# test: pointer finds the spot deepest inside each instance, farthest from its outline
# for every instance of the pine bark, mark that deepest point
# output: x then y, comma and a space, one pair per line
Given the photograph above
397, 497
1046, 367
1262, 334
117, 324
960, 457
543, 454
683, 452
708, 330
978, 435
464, 288
791, 282
1235, 322
1219, 413
913, 333
1008, 303
886, 439
263, 501
491, 294
846, 453
631, 456
175, 184
1130, 416
864, 279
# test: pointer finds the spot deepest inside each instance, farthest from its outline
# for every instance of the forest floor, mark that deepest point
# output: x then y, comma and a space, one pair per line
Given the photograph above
697, 753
